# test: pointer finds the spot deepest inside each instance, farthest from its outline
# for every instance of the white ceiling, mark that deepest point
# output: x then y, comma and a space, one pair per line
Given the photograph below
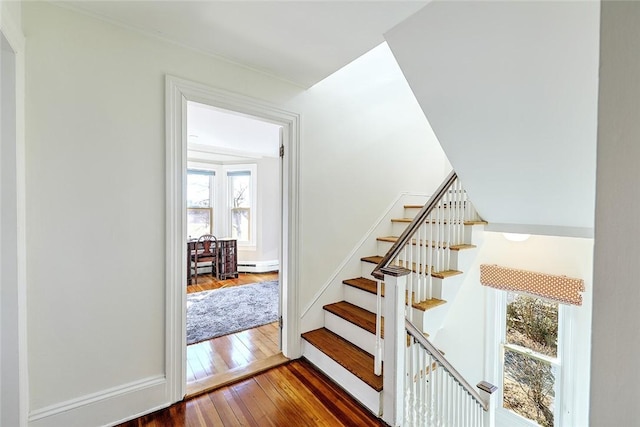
299, 41
229, 134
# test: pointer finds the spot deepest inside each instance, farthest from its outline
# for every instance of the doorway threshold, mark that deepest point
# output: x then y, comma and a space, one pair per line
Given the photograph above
240, 373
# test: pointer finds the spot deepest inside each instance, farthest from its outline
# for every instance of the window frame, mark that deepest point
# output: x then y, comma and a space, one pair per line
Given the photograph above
252, 168
221, 226
496, 343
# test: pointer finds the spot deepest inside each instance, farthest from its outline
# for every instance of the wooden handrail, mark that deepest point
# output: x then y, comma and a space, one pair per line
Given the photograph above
442, 361
406, 236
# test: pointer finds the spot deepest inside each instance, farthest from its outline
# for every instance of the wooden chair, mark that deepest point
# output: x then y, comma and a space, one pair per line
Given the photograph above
206, 251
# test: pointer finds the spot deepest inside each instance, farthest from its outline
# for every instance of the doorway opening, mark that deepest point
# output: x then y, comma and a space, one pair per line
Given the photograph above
179, 93
232, 197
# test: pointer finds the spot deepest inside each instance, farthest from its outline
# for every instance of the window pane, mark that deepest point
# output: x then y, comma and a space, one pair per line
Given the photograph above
532, 323
240, 223
198, 190
198, 222
240, 201
529, 387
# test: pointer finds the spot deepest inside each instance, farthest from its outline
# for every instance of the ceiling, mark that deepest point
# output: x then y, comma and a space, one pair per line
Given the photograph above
299, 41
231, 136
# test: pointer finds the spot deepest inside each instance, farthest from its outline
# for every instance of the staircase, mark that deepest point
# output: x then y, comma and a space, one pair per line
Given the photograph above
345, 347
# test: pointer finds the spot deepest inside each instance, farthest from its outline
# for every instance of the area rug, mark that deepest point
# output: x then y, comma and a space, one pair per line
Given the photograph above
211, 314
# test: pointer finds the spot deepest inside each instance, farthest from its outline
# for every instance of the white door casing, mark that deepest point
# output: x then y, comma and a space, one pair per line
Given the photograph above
178, 93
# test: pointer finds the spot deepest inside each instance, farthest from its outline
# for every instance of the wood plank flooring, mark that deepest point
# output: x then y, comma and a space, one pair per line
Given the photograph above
294, 394
234, 353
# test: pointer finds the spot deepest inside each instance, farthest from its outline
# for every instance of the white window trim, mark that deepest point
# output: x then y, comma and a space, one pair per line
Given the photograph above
220, 199
564, 393
253, 169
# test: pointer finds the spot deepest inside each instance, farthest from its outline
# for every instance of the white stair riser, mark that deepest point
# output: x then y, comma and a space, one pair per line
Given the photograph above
352, 333
357, 388
431, 320
361, 298
448, 288
366, 269
412, 212
397, 228
419, 251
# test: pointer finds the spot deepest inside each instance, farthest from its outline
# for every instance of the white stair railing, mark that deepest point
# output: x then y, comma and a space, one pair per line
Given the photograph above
435, 393
421, 388
424, 248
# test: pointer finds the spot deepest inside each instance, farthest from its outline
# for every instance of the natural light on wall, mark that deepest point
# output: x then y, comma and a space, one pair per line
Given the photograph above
516, 237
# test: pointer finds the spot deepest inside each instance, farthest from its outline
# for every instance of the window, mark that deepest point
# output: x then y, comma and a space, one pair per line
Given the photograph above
240, 197
531, 363
200, 184
221, 200
530, 354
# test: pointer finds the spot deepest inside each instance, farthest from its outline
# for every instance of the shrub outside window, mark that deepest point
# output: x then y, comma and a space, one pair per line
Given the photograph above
531, 363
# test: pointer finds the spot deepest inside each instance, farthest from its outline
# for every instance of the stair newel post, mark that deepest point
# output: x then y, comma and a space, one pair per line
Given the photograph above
395, 344
487, 391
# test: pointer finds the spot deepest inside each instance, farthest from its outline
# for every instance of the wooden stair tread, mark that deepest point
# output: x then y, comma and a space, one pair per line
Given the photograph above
356, 315
364, 284
409, 220
347, 355
439, 274
369, 285
428, 304
444, 205
393, 239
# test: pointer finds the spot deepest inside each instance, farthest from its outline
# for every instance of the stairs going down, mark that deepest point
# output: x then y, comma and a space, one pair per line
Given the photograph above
344, 348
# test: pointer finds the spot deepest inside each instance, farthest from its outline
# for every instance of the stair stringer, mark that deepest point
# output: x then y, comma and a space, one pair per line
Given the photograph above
430, 320
312, 316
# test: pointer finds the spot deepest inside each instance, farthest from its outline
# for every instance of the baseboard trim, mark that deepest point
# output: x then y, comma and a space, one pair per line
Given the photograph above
258, 266
47, 415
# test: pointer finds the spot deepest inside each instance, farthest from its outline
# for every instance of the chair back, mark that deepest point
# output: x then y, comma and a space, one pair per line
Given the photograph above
206, 246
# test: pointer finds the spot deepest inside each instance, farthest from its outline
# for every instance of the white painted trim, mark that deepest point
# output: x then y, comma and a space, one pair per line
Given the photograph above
355, 250
544, 230
351, 332
178, 92
13, 34
89, 399
258, 266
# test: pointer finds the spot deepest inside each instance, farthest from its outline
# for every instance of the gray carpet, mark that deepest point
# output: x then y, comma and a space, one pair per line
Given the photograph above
224, 311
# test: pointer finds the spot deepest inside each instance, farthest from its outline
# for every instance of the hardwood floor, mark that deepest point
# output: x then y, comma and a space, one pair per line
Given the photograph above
224, 359
206, 282
294, 394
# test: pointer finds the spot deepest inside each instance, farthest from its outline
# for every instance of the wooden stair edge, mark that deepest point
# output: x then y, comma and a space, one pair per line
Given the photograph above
350, 357
438, 274
467, 222
393, 239
356, 315
364, 284
370, 288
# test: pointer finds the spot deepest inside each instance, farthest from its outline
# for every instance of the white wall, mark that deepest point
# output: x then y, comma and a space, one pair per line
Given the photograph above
95, 208
464, 337
510, 89
616, 328
96, 196
365, 141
